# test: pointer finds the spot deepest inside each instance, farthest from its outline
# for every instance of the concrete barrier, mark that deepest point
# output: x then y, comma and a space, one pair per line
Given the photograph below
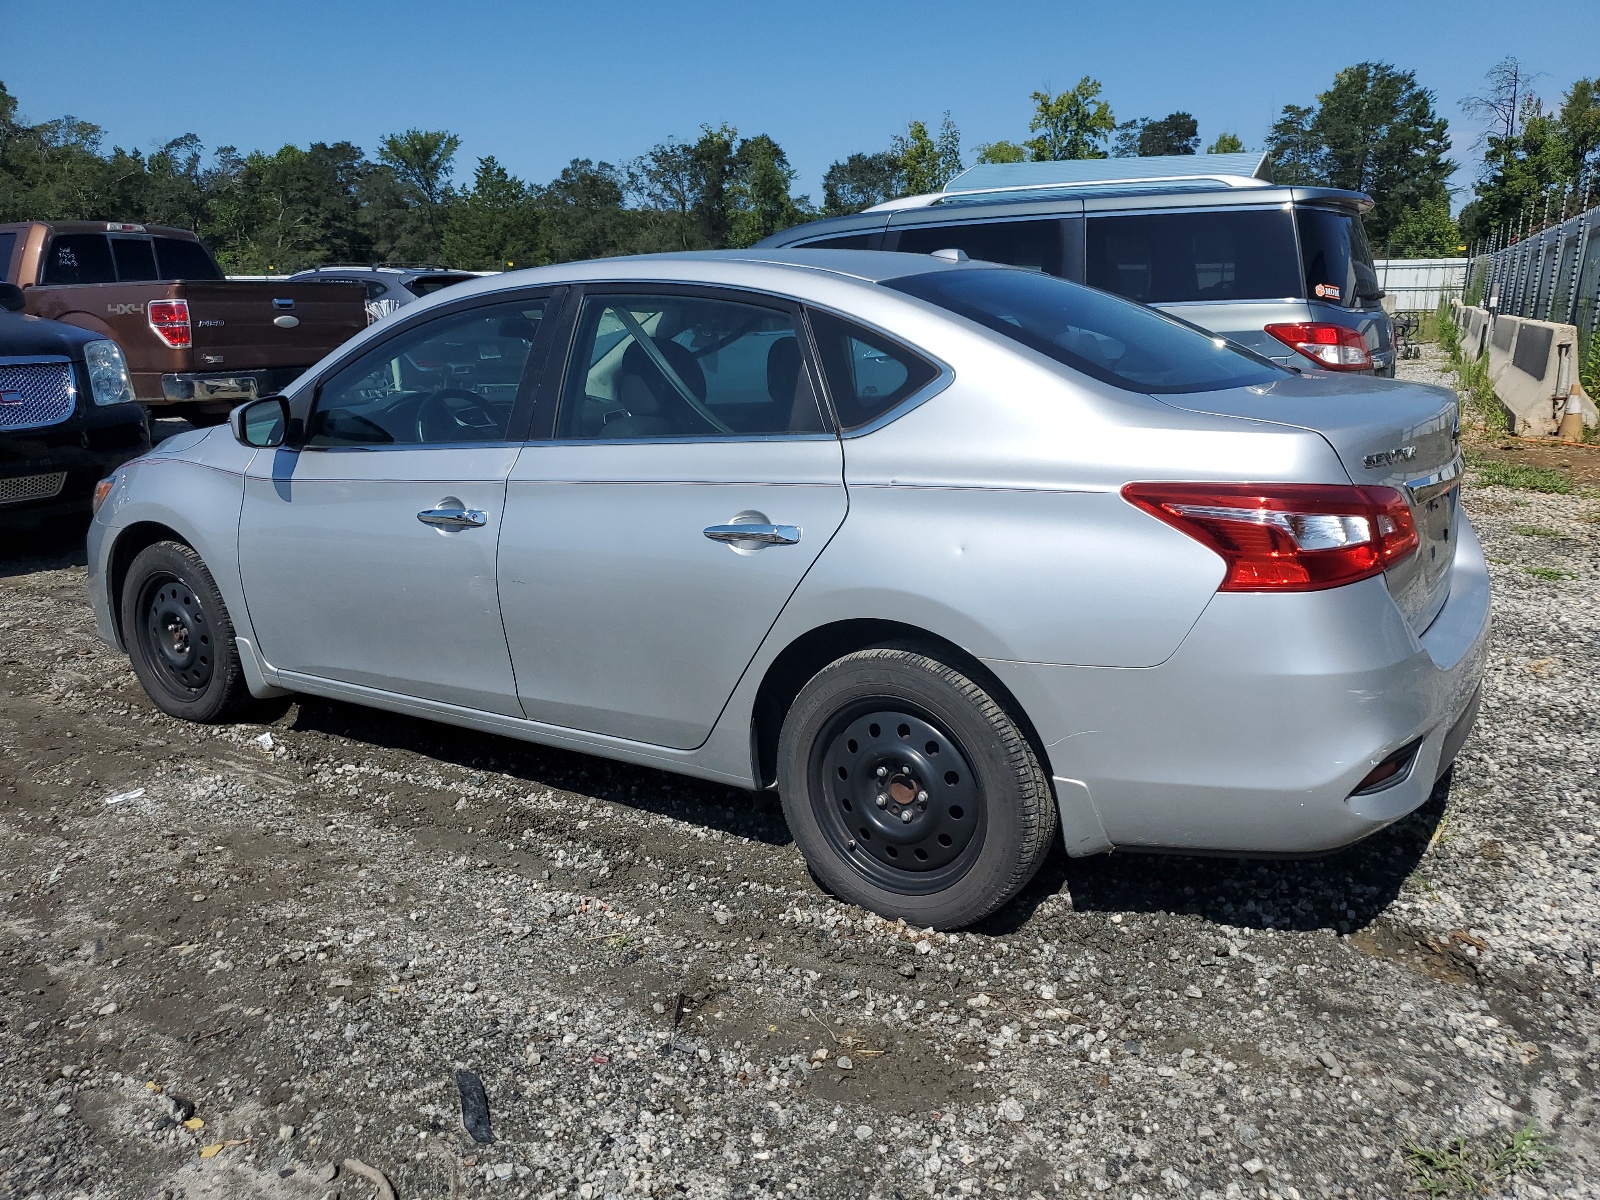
1533, 366
1473, 322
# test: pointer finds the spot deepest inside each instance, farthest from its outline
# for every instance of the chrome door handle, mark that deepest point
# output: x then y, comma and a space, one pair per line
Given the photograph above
453, 518
766, 535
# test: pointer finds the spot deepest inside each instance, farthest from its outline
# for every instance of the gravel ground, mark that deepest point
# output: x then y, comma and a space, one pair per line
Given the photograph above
299, 933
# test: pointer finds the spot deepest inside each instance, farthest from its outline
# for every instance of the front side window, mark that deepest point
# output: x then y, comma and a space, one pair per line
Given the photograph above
449, 380
1123, 344
1338, 261
79, 258
1036, 245
848, 241
1176, 257
868, 374
680, 366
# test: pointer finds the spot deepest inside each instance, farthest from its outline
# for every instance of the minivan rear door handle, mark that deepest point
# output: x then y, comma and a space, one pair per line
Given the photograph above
453, 516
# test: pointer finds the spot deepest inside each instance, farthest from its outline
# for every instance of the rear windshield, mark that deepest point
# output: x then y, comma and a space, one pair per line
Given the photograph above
427, 285
1123, 344
96, 258
1176, 257
1338, 261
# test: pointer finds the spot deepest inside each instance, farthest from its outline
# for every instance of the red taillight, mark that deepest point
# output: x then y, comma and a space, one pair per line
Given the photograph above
1287, 537
1330, 346
170, 320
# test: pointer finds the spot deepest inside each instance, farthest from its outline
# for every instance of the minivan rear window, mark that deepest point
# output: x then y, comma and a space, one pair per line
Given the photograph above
1109, 339
1176, 257
1338, 261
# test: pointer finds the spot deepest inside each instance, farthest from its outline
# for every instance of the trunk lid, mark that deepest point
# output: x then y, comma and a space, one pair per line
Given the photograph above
239, 325
1386, 432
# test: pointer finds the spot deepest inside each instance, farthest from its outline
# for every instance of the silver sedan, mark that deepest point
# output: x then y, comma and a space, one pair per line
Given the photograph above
953, 555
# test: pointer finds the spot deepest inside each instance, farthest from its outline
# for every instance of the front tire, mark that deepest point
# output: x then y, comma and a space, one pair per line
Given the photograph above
180, 637
911, 791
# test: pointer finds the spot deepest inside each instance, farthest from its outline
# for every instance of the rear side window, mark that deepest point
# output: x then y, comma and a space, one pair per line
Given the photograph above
8, 243
1126, 345
852, 241
1036, 245
427, 285
1338, 261
1174, 257
79, 258
179, 258
135, 259
867, 373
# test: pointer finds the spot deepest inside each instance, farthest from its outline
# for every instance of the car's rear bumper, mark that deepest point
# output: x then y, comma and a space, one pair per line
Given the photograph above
1253, 736
223, 389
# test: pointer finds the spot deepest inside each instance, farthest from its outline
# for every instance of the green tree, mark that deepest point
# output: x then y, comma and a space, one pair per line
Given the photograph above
422, 162
667, 178
1226, 143
927, 163
494, 225
1579, 123
1002, 152
1426, 231
1074, 124
859, 182
1175, 133
762, 201
582, 213
1375, 131
1516, 172
716, 165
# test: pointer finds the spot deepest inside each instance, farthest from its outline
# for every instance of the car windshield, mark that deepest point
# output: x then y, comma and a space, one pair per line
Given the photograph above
1107, 338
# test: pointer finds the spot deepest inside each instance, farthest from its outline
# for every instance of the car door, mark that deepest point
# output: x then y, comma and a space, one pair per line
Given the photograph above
685, 480
367, 552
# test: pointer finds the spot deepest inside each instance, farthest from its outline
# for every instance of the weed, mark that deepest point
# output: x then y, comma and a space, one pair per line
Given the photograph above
1520, 475
1536, 531
1551, 574
1464, 1168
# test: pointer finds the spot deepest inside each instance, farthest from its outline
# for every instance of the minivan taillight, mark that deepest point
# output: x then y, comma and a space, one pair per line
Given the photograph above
170, 320
1332, 346
1287, 537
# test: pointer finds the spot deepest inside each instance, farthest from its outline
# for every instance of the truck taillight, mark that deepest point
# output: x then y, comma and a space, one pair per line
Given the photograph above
170, 320
1331, 346
1287, 537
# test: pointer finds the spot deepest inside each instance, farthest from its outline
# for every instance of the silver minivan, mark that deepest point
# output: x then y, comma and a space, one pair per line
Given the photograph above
1283, 271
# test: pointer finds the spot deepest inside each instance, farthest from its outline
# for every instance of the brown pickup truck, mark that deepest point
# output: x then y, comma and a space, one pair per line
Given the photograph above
194, 341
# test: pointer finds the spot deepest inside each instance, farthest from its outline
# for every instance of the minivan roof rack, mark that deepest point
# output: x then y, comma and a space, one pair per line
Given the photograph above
1249, 169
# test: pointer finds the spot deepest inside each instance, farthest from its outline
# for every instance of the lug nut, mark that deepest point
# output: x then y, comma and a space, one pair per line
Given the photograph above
882, 771
922, 797
882, 799
906, 816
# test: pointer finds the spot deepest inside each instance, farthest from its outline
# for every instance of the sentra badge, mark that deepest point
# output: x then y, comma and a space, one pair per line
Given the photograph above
1388, 458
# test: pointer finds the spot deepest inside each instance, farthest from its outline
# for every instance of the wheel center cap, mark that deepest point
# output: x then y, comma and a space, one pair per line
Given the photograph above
903, 789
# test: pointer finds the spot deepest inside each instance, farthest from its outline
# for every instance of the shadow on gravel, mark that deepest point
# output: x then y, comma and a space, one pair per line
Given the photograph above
758, 816
49, 545
1345, 891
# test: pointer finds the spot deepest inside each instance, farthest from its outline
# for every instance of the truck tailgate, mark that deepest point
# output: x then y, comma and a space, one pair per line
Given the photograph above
240, 325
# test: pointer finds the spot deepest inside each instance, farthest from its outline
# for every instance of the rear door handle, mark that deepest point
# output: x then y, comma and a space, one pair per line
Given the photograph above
766, 535
453, 516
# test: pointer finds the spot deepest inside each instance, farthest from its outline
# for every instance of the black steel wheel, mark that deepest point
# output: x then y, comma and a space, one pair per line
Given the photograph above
179, 635
911, 790
176, 636
896, 795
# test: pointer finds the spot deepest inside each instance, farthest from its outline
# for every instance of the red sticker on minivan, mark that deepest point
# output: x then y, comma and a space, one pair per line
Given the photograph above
1327, 291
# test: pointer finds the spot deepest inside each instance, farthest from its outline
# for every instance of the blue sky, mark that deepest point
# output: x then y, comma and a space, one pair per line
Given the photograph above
538, 84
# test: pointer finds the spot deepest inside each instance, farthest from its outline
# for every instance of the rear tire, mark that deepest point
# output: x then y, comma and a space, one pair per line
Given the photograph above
180, 637
911, 791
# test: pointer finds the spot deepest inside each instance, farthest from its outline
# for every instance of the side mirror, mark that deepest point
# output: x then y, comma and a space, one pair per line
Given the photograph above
262, 423
11, 297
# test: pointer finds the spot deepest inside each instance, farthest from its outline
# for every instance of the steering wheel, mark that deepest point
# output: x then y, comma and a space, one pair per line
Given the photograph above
433, 412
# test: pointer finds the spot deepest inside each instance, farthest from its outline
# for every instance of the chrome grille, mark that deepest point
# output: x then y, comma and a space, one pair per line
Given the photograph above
31, 487
35, 393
